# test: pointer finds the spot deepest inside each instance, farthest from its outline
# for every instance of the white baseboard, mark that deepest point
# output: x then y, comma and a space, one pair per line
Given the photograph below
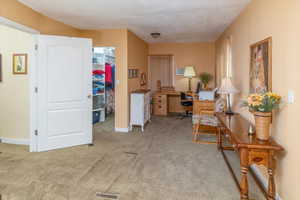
15, 141
122, 130
263, 179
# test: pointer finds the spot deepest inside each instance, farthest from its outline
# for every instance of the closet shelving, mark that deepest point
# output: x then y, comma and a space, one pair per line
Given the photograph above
101, 56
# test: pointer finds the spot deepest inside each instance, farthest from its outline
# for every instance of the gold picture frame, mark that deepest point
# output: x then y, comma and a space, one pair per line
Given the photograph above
20, 63
261, 66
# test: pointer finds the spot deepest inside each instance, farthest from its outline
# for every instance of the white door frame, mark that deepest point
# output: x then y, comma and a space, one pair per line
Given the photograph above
32, 72
115, 83
33, 87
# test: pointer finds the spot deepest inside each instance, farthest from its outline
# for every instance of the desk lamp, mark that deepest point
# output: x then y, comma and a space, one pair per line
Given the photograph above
189, 72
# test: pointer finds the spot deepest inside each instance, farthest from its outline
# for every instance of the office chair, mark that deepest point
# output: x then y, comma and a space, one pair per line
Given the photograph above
187, 104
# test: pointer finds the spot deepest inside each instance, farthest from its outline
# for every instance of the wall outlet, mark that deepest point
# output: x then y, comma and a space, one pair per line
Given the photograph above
291, 97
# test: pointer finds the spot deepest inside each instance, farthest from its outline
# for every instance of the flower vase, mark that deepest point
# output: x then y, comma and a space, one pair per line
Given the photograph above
262, 125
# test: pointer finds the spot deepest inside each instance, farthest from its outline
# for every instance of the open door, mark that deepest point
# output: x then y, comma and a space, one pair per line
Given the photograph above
64, 79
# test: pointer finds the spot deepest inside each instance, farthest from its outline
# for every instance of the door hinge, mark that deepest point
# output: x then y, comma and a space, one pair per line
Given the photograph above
36, 133
36, 47
36, 89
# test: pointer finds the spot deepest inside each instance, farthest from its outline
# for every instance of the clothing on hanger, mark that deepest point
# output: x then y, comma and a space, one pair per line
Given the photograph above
108, 73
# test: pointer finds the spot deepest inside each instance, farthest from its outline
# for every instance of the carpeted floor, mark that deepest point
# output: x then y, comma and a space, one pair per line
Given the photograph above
160, 164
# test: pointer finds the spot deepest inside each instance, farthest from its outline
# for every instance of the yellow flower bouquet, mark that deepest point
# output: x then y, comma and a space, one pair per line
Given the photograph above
265, 102
261, 105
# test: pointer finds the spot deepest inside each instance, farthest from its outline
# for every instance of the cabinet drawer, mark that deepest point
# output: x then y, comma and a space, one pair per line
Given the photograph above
160, 109
258, 157
160, 99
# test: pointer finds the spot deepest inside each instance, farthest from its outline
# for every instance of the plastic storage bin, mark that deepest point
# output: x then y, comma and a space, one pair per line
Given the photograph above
96, 117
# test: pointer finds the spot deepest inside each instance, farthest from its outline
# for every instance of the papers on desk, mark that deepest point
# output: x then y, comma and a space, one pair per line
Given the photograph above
207, 95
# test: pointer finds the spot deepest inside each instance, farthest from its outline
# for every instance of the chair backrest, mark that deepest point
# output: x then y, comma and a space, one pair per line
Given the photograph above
182, 96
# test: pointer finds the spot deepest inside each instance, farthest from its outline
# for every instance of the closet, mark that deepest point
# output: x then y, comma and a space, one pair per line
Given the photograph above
103, 83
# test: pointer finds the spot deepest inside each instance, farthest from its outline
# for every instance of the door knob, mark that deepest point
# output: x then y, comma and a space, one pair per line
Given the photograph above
89, 96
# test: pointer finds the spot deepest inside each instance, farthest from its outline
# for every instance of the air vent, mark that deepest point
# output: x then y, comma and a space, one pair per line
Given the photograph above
107, 196
155, 35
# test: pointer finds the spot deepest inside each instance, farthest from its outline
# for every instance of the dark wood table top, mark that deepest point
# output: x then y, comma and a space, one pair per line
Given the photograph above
238, 127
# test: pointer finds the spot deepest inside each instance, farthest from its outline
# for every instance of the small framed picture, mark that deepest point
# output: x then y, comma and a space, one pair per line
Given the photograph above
179, 71
19, 63
135, 73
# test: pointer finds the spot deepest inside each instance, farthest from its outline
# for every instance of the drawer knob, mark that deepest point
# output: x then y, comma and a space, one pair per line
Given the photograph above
257, 159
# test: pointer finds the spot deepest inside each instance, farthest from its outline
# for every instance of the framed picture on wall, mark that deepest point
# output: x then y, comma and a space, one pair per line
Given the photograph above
133, 73
129, 73
261, 66
180, 71
19, 63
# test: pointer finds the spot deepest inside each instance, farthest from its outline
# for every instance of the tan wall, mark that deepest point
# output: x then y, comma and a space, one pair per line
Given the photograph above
279, 19
199, 55
137, 59
15, 11
115, 38
14, 95
15, 113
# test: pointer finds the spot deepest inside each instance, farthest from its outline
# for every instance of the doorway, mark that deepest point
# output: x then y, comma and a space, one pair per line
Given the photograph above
161, 69
104, 69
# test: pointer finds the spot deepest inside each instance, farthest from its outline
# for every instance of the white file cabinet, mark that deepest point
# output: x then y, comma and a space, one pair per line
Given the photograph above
139, 108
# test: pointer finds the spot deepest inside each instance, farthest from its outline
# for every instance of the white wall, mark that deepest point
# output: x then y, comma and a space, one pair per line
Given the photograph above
14, 89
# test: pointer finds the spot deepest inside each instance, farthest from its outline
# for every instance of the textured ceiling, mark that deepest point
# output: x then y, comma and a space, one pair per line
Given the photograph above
176, 20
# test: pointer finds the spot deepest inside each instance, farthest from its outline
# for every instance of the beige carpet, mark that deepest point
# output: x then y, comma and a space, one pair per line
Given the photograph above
160, 164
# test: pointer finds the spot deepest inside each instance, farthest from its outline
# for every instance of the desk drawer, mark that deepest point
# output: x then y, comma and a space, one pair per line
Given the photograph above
160, 109
160, 105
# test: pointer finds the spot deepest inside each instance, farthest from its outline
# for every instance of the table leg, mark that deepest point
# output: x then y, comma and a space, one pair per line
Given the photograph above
220, 138
271, 185
195, 132
244, 173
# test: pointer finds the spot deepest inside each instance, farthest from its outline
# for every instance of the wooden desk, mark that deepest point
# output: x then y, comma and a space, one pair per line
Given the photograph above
165, 102
251, 151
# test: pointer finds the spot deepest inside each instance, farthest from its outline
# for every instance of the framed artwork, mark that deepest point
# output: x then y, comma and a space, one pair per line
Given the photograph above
133, 73
261, 66
19, 63
0, 67
180, 71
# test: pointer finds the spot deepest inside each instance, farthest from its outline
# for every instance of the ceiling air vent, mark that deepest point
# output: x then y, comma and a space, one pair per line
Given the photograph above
155, 35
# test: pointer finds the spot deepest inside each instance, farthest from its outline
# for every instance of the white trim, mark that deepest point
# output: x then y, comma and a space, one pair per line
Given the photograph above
18, 26
33, 96
122, 130
15, 141
32, 82
263, 179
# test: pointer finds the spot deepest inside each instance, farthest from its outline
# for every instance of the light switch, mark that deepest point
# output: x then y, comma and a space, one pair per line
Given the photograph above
291, 97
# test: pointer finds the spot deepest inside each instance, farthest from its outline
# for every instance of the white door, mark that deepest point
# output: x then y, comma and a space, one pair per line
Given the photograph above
64, 73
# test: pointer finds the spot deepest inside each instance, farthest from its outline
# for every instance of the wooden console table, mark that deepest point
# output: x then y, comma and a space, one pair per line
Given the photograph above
250, 150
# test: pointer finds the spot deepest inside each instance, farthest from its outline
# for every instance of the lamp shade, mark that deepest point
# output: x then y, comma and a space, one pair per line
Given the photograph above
189, 71
227, 87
